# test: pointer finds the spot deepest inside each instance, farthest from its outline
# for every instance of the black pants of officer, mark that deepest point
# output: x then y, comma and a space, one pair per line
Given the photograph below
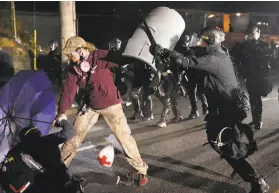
193, 90
256, 109
240, 166
142, 101
169, 102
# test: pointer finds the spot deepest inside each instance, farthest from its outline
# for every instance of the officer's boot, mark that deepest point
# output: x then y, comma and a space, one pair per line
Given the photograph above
148, 114
204, 104
194, 112
137, 107
165, 112
258, 114
260, 186
177, 115
164, 116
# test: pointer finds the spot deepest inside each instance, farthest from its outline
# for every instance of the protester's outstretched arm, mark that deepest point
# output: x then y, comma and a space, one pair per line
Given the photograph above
68, 93
67, 132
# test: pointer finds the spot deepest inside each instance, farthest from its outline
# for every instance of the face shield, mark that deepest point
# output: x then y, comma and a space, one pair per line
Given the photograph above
115, 44
53, 45
212, 35
191, 41
253, 34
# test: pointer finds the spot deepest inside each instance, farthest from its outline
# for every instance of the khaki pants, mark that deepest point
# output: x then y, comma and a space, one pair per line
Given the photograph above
116, 120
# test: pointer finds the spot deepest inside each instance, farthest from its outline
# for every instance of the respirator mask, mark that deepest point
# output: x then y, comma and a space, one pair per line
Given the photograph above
82, 67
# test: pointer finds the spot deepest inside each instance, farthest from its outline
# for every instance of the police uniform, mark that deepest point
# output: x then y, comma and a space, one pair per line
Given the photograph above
141, 91
169, 100
255, 69
220, 89
194, 83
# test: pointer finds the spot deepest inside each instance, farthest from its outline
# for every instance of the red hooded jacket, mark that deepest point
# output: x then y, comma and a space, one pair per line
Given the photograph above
101, 91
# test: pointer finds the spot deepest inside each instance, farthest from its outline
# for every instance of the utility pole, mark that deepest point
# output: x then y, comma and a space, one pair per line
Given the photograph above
67, 23
205, 20
75, 18
13, 19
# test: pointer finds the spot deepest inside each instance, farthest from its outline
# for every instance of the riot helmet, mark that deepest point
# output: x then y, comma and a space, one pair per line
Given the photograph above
115, 44
253, 32
212, 35
53, 45
190, 40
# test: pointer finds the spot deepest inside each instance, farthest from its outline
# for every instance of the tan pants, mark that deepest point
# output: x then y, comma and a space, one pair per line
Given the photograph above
116, 120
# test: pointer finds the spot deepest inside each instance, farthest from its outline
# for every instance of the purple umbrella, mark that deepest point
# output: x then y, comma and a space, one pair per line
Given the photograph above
28, 99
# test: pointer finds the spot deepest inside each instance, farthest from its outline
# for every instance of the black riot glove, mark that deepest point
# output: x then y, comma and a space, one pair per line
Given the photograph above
156, 49
178, 59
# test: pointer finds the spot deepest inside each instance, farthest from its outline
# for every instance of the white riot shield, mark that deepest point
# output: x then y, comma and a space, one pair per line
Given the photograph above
166, 26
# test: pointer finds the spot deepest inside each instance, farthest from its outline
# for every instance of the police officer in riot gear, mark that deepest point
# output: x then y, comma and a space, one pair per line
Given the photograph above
195, 80
221, 90
169, 99
255, 67
51, 63
142, 90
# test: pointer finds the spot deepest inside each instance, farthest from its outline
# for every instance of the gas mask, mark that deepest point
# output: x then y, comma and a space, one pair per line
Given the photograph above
82, 67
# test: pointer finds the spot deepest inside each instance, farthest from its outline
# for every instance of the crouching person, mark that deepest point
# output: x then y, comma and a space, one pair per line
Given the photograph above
34, 165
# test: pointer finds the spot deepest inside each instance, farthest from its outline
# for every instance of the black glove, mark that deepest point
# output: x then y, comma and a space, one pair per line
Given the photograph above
176, 58
156, 49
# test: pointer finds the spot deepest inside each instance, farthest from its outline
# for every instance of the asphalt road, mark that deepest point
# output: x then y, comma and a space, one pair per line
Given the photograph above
178, 161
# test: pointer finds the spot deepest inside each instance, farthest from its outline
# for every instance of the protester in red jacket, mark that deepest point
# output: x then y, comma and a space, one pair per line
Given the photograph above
92, 72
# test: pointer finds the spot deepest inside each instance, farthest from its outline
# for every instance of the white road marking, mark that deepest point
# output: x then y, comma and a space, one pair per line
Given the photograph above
86, 147
267, 99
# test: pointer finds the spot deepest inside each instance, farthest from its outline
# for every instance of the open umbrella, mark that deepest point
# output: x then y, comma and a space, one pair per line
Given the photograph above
28, 99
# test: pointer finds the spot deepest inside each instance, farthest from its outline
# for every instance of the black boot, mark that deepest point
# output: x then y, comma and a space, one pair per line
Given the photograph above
138, 115
176, 112
164, 116
177, 115
136, 102
260, 186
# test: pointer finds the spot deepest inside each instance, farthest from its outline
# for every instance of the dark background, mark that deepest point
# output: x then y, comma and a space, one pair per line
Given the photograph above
105, 20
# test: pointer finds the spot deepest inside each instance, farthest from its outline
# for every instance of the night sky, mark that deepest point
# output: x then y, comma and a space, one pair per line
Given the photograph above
101, 29
106, 7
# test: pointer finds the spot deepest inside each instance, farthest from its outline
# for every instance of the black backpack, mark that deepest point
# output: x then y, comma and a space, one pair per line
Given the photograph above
18, 171
239, 144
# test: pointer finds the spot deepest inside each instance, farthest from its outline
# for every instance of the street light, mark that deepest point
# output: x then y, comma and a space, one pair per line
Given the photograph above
238, 14
210, 16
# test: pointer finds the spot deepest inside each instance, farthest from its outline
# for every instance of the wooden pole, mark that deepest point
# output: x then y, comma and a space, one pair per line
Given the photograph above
35, 37
13, 19
67, 24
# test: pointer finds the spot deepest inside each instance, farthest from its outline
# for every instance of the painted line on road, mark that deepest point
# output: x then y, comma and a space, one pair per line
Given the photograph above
268, 99
91, 146
86, 147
